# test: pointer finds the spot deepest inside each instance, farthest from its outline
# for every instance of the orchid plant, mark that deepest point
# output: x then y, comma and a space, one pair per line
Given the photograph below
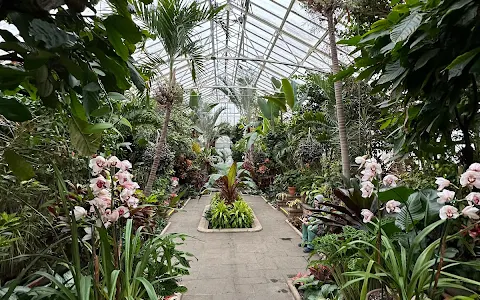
371, 175
115, 195
452, 202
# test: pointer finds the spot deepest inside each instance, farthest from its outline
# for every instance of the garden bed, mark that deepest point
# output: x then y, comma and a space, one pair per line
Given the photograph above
203, 226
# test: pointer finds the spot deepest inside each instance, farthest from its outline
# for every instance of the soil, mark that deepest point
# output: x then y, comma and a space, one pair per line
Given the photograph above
377, 295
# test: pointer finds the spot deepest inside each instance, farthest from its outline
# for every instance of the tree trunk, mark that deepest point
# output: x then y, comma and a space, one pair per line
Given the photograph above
160, 148
338, 98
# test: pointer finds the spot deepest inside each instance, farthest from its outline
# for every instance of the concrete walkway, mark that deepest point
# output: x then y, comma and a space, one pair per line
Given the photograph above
243, 265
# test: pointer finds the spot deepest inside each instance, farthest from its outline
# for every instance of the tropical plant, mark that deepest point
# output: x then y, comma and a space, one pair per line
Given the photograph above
174, 23
340, 258
236, 215
205, 117
313, 289
407, 272
229, 179
57, 60
219, 215
285, 94
8, 224
241, 215
147, 269
426, 55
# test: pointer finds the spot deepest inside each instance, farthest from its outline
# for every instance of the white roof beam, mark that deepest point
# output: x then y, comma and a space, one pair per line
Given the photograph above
242, 36
277, 35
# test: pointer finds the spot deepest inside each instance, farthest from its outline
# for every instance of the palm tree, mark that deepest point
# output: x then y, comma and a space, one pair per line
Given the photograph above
173, 23
205, 119
327, 9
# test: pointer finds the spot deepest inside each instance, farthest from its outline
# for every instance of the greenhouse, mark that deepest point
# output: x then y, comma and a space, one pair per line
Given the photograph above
240, 149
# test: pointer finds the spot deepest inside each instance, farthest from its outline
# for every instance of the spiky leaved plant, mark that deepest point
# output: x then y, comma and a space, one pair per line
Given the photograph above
229, 179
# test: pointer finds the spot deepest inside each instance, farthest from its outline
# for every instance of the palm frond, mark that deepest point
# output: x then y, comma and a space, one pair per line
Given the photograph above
173, 22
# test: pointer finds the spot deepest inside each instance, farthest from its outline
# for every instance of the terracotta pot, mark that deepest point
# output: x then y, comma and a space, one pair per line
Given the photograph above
375, 291
292, 190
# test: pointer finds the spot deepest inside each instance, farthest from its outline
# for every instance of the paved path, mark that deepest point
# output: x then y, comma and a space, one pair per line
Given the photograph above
242, 265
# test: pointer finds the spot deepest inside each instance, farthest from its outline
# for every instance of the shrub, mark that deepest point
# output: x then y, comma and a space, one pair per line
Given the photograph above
236, 215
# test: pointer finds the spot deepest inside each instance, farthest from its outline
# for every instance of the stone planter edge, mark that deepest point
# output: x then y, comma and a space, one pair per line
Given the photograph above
293, 290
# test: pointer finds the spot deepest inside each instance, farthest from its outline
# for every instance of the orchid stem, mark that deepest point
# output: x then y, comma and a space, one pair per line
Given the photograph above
439, 253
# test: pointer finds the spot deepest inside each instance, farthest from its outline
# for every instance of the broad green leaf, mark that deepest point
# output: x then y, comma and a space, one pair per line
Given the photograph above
76, 107
115, 39
399, 193
406, 27
423, 60
265, 108
72, 67
125, 27
11, 77
91, 97
277, 100
14, 110
252, 139
412, 212
126, 123
347, 72
456, 5
85, 144
460, 62
101, 111
136, 77
232, 174
117, 96
119, 71
8, 36
277, 84
351, 42
92, 87
288, 91
19, 47
392, 72
18, 165
97, 128
50, 34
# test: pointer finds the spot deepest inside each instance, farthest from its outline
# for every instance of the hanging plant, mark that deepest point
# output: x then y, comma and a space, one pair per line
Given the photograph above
309, 151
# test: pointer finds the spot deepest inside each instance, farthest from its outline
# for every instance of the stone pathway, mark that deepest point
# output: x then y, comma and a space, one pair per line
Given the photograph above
242, 265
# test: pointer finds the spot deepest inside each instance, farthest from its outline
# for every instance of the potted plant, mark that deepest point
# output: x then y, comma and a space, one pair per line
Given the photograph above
290, 178
292, 190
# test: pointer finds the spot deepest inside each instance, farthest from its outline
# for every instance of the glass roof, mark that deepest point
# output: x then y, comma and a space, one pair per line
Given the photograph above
253, 40
257, 40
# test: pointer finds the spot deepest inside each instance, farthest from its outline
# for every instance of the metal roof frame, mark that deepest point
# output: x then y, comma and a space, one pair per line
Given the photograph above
263, 38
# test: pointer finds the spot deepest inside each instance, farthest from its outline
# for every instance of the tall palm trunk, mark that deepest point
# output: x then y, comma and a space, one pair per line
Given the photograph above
162, 141
338, 97
159, 151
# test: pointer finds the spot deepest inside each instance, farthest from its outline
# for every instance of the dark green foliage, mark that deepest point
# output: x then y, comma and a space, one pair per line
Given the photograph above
427, 55
70, 63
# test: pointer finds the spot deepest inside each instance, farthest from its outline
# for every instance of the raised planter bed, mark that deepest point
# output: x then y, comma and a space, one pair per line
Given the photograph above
203, 225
